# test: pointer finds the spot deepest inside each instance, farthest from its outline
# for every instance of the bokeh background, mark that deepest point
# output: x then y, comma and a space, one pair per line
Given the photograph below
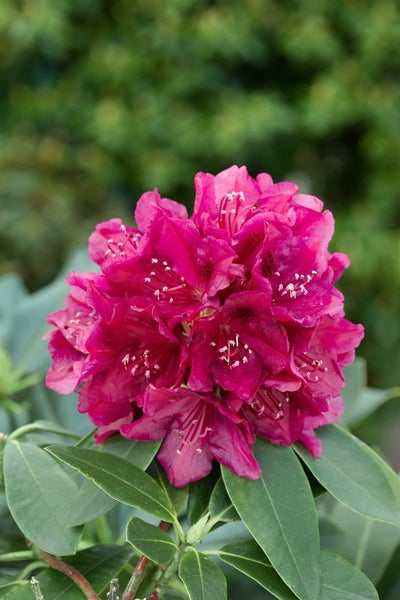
102, 100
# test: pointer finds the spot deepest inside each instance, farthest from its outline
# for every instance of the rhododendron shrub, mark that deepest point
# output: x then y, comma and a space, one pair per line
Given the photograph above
208, 330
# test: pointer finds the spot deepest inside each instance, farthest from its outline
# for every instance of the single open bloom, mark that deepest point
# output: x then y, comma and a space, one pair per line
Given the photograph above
236, 346
195, 428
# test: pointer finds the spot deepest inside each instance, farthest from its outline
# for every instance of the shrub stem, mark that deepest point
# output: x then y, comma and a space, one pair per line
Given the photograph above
70, 572
140, 571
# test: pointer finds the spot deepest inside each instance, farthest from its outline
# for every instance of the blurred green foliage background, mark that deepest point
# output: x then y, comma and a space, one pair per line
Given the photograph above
102, 100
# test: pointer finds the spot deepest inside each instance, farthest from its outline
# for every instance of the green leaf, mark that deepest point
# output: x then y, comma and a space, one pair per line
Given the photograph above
316, 488
11, 293
177, 496
355, 475
39, 494
11, 380
50, 406
279, 511
119, 478
331, 533
41, 433
203, 579
247, 557
18, 591
356, 381
221, 507
50, 427
10, 542
139, 453
370, 400
389, 584
367, 544
91, 501
199, 496
151, 541
26, 346
342, 581
360, 400
99, 564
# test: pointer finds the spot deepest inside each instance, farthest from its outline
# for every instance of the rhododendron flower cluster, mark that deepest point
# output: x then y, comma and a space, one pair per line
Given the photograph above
208, 330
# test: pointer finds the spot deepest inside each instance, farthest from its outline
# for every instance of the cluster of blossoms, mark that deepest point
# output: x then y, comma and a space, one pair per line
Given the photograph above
208, 330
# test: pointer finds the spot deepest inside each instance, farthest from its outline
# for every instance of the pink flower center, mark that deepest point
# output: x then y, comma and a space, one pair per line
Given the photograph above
144, 363
232, 350
195, 428
167, 285
233, 211
79, 327
122, 245
269, 402
310, 368
297, 287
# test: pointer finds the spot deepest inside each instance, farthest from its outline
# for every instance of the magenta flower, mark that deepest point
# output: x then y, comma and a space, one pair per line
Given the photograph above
74, 325
125, 354
195, 428
178, 270
232, 198
113, 242
205, 331
237, 346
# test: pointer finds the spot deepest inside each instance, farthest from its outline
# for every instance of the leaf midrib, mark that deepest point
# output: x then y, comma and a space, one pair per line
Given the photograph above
117, 478
286, 541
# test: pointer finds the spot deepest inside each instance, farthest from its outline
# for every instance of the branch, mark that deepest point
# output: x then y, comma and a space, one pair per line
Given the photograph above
70, 572
169, 572
136, 579
155, 595
140, 571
